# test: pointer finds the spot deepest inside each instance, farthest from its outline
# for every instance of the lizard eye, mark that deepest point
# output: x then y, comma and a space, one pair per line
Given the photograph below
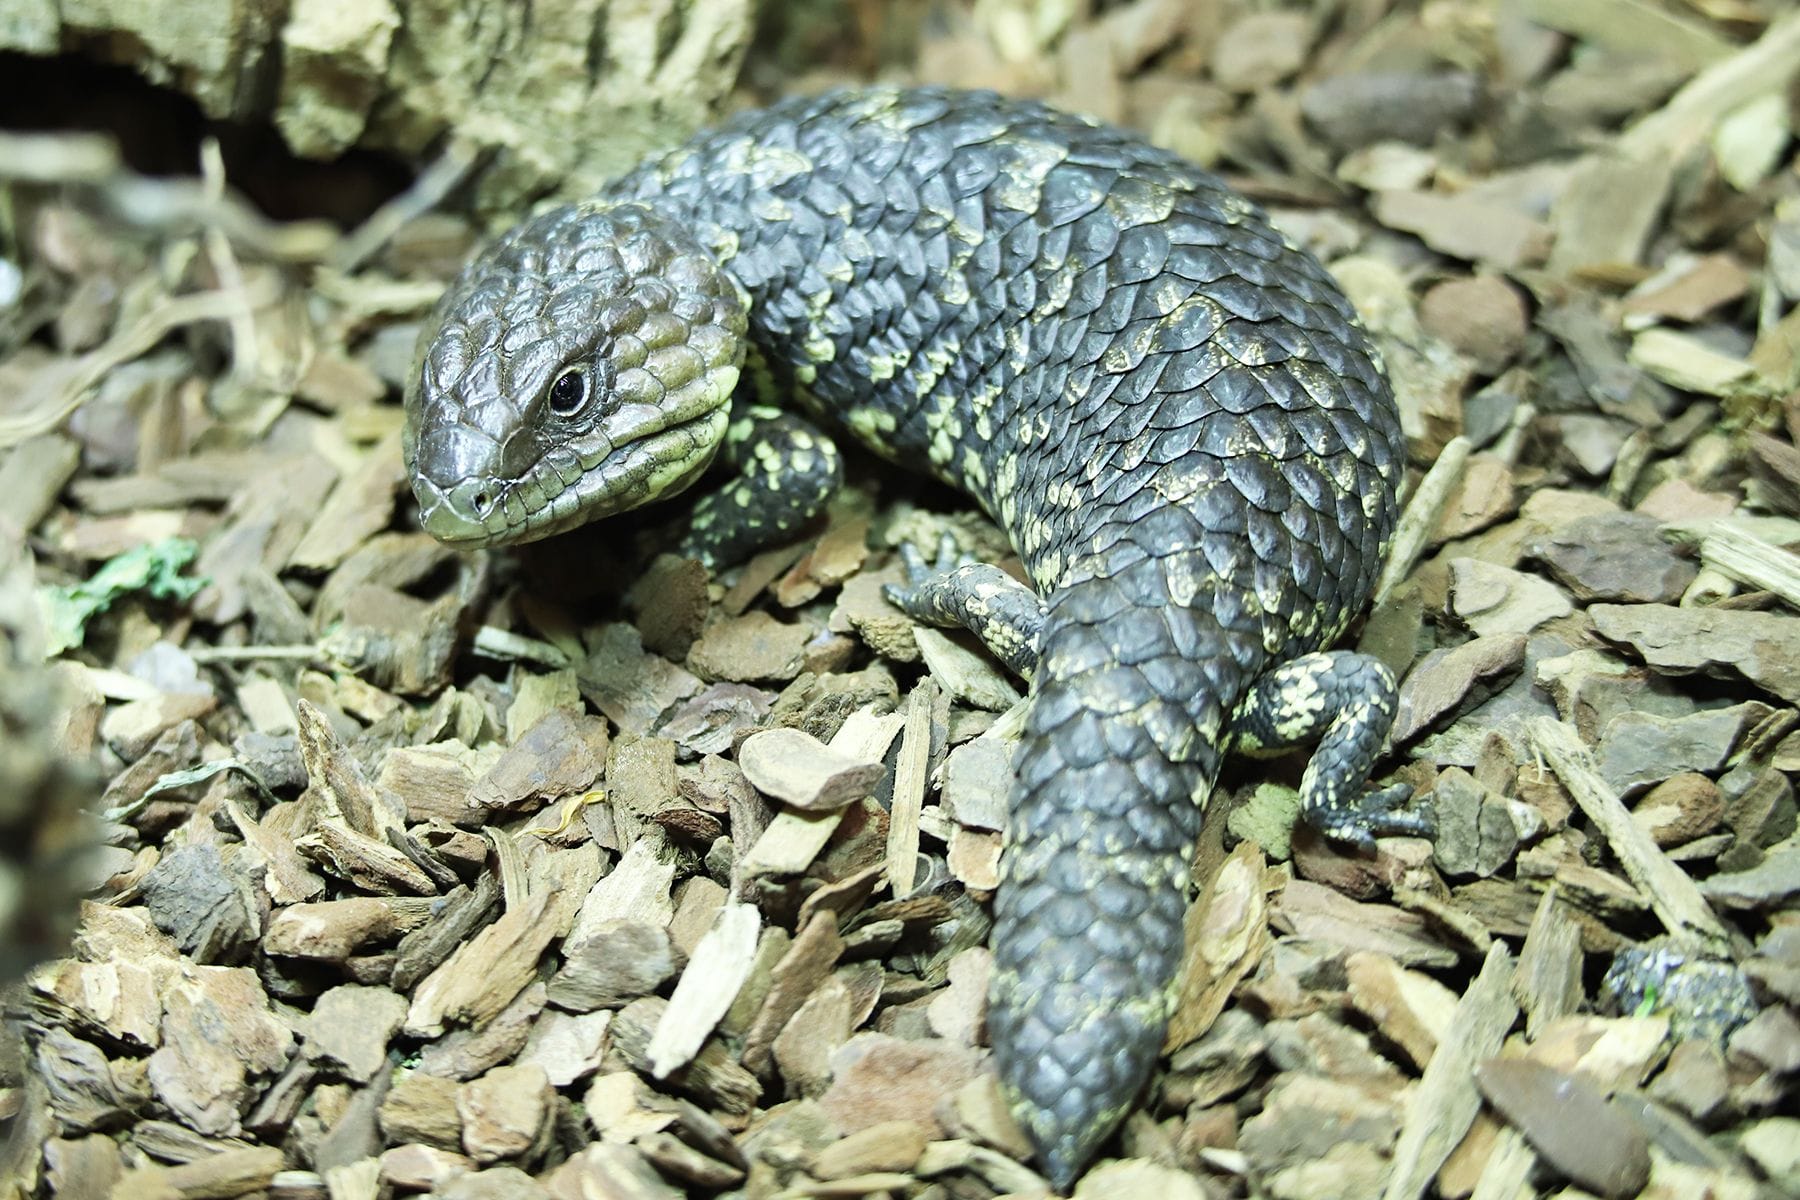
568, 392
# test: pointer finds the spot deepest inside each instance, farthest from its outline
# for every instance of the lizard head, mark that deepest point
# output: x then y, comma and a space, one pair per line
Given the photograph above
580, 366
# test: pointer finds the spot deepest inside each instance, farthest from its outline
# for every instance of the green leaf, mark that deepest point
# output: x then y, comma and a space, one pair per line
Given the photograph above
154, 569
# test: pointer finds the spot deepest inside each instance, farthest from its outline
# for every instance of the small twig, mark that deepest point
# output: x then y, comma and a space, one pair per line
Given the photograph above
1669, 890
909, 789
1422, 512
507, 646
1633, 457
1750, 560
1512, 439
426, 193
225, 266
1694, 111
205, 654
1445, 1102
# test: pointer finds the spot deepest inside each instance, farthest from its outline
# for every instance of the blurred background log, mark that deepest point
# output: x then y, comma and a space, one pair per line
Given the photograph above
563, 93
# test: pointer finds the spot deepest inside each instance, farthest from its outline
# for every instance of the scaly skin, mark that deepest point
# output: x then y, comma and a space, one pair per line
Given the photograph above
1170, 410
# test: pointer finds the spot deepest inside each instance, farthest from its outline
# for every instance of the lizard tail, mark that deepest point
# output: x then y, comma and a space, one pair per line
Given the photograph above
1121, 747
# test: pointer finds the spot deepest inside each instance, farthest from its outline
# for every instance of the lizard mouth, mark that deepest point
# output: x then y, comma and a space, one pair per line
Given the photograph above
656, 456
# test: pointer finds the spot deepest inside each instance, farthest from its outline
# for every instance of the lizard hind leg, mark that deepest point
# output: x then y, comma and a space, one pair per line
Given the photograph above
1346, 701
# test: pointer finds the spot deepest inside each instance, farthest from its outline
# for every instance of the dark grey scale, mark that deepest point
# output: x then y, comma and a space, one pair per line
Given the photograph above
1170, 478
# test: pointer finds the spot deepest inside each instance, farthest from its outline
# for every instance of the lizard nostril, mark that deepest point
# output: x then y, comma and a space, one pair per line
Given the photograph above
481, 501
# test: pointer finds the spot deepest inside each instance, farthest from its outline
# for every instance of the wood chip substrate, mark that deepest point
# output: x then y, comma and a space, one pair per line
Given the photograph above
339, 864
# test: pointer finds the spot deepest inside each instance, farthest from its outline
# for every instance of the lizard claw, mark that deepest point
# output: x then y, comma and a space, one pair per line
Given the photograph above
911, 597
1379, 812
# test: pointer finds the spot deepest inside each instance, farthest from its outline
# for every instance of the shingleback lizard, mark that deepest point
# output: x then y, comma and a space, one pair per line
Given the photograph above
1169, 408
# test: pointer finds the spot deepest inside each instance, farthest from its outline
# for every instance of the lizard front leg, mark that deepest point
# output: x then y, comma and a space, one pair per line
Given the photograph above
786, 471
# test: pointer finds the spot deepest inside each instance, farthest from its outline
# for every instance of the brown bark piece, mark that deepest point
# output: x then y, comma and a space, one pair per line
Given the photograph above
617, 962
423, 1108
363, 861
330, 930
569, 1047
484, 975
805, 773
974, 858
1444, 680
1689, 292
977, 780
561, 755
218, 1032
1466, 228
880, 1079
677, 1160
713, 1077
466, 1053
1758, 646
416, 1168
671, 605
1226, 937
889, 1146
1411, 1009
803, 1049
349, 1027
434, 781
359, 506
1317, 912
805, 965
1570, 1123
504, 1112
753, 648
120, 997
633, 688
